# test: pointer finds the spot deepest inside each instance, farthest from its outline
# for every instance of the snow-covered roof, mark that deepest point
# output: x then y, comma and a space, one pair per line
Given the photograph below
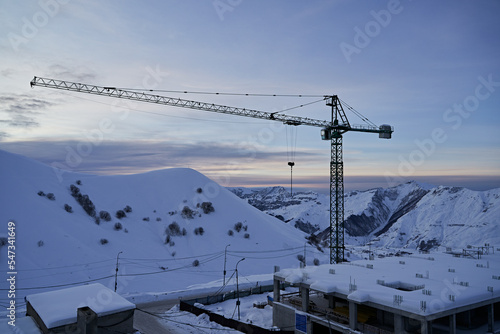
59, 308
424, 284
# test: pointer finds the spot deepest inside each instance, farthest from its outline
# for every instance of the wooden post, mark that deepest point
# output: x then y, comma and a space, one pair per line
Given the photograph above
86, 320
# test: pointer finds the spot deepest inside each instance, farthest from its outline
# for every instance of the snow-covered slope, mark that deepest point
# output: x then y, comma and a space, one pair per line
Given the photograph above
411, 215
169, 239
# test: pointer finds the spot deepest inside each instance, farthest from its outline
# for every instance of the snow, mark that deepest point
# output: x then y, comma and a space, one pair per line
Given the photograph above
177, 321
59, 307
59, 249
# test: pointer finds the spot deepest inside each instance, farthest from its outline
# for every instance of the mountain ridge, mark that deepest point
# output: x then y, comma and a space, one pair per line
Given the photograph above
376, 215
165, 229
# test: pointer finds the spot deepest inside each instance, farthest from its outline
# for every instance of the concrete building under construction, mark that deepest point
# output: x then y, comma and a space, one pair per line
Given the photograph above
424, 293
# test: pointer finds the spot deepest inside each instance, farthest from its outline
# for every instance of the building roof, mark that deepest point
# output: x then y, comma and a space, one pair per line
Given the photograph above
59, 307
422, 285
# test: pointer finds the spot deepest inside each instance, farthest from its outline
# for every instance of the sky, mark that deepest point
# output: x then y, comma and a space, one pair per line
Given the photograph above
430, 69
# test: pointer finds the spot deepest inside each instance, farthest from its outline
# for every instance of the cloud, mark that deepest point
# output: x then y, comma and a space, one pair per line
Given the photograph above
125, 157
79, 73
20, 111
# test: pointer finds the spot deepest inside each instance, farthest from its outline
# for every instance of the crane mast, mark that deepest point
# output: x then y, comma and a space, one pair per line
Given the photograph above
331, 130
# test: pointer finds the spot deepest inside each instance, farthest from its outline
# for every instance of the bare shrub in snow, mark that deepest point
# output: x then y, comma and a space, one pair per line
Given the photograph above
187, 213
118, 226
199, 231
230, 233
74, 190
196, 263
173, 229
51, 196
146, 219
3, 241
207, 207
247, 236
68, 208
83, 200
40, 243
103, 241
41, 193
104, 215
120, 214
199, 190
127, 209
238, 226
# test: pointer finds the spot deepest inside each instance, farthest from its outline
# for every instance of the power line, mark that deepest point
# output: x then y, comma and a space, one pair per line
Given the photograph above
61, 285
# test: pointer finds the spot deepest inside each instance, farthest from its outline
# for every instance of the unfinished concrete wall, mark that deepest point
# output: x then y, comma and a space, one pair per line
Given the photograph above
283, 316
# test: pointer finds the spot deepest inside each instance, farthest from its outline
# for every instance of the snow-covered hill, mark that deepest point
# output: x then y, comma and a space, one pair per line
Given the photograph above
411, 215
175, 225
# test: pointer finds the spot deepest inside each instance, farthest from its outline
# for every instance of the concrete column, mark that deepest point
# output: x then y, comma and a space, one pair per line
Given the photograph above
380, 317
304, 292
353, 315
426, 327
86, 320
453, 324
276, 290
491, 319
468, 319
331, 301
398, 323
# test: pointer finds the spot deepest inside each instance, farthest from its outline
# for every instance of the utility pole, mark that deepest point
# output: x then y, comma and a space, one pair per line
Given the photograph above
238, 289
305, 244
116, 272
225, 255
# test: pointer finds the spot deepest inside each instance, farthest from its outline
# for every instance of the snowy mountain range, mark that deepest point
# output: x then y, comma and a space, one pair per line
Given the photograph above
411, 215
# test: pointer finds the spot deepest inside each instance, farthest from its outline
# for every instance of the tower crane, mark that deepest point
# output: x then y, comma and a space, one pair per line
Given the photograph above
331, 130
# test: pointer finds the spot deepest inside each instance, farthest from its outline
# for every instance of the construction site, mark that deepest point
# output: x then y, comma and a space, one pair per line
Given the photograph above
424, 293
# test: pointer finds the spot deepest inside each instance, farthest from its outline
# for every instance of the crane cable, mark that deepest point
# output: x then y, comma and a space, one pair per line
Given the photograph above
291, 146
357, 113
222, 93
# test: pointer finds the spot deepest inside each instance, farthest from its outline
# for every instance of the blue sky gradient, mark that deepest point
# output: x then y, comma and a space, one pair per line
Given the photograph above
431, 69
